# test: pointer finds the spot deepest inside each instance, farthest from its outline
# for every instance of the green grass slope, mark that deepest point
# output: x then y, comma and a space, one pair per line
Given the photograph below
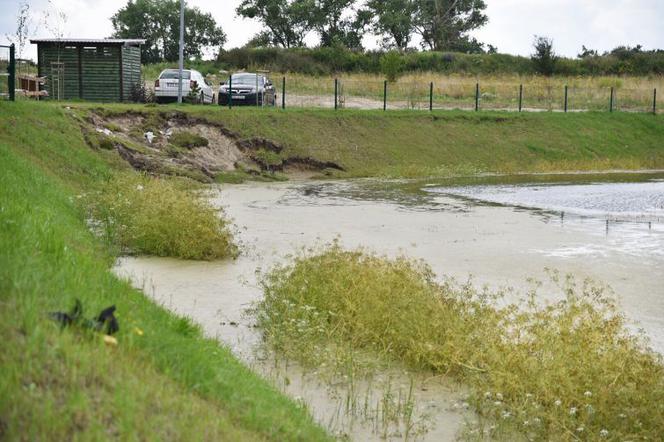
416, 143
420, 143
164, 380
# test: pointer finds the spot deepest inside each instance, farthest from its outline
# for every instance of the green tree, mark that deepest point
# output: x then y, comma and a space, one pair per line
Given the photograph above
339, 23
158, 22
394, 20
287, 22
544, 59
444, 24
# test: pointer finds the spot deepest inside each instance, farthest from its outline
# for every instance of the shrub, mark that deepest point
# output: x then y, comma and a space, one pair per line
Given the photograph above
145, 215
391, 65
538, 370
188, 140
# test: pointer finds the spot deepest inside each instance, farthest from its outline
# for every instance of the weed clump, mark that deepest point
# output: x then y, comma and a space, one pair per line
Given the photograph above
145, 215
570, 369
188, 140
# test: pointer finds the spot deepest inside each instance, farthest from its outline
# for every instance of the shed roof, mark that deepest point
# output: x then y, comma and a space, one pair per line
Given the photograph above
90, 41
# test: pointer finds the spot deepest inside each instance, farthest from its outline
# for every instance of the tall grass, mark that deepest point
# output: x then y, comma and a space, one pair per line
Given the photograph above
567, 370
497, 91
146, 215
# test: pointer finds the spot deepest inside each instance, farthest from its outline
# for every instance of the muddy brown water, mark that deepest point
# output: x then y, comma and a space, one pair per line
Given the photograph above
500, 231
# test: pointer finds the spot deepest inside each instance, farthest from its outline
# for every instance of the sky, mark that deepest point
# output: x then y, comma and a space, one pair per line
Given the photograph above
597, 24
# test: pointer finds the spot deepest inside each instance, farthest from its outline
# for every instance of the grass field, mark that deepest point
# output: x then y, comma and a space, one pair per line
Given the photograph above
497, 91
163, 380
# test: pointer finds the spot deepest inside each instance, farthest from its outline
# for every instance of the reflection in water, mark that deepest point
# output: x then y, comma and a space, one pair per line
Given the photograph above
459, 228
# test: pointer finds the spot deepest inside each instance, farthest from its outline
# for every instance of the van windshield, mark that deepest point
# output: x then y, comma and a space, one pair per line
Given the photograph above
172, 74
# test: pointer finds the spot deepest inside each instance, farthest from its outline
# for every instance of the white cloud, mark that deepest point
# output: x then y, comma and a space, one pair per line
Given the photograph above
598, 24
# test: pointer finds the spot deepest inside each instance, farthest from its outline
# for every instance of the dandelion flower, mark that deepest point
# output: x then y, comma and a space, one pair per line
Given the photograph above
572, 411
588, 394
558, 402
604, 432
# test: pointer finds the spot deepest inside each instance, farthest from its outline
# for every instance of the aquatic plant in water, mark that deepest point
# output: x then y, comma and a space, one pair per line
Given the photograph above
569, 369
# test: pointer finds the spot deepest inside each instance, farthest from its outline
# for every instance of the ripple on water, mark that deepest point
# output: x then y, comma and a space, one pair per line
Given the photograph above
632, 201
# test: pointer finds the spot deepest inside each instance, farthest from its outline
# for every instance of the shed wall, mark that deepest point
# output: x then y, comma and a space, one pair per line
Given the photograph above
131, 69
101, 73
64, 81
105, 72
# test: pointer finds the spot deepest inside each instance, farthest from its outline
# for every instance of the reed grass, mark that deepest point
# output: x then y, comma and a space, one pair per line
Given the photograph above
568, 370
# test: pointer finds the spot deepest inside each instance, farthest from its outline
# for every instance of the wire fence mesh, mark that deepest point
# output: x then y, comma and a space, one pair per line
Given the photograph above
462, 94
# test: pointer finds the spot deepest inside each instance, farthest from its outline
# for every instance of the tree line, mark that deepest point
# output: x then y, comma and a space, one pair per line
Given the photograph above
439, 24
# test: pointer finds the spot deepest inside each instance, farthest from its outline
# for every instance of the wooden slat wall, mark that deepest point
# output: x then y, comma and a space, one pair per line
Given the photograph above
67, 55
101, 73
131, 69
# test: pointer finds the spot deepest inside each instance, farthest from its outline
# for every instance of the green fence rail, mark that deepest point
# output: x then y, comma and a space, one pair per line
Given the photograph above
340, 93
8, 71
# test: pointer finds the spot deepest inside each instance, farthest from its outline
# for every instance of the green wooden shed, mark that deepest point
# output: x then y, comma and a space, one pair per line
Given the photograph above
89, 69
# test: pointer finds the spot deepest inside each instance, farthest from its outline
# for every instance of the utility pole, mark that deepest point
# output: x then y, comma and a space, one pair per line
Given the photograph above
181, 63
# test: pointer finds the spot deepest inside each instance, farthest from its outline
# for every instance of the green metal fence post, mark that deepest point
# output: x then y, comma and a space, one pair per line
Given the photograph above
611, 101
283, 93
566, 87
11, 83
230, 91
336, 93
431, 96
477, 97
385, 95
654, 102
520, 97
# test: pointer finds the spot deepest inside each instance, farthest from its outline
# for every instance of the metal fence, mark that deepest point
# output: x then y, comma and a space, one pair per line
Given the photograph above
379, 94
7, 73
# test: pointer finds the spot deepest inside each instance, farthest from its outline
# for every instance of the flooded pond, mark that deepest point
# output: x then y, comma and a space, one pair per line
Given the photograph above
500, 231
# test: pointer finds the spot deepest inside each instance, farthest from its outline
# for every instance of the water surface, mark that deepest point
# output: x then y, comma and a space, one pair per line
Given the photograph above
500, 231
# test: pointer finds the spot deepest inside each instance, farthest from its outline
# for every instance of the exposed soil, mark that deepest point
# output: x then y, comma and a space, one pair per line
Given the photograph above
145, 141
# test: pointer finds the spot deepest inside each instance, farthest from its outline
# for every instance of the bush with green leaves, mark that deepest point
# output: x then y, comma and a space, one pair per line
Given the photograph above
391, 65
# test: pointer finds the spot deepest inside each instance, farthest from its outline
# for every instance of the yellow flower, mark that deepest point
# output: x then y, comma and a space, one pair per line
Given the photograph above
110, 340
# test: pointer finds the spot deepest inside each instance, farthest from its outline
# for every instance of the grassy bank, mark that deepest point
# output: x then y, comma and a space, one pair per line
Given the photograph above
421, 144
567, 371
416, 144
163, 380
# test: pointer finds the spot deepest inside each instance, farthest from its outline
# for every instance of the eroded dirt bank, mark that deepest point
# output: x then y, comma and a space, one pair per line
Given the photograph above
174, 143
